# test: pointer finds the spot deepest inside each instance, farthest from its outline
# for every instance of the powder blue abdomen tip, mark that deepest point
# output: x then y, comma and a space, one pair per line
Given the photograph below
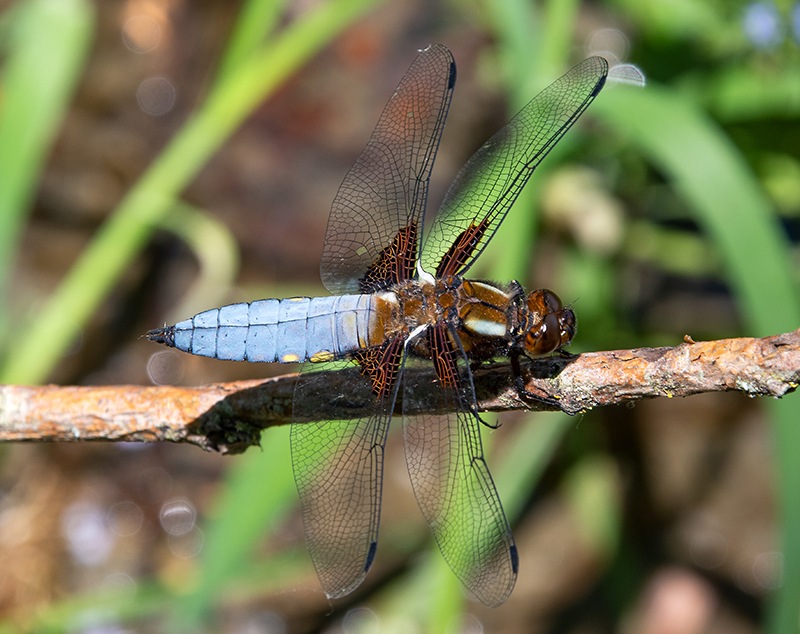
274, 330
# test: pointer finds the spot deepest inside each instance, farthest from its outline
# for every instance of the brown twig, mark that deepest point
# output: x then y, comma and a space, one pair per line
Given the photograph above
229, 417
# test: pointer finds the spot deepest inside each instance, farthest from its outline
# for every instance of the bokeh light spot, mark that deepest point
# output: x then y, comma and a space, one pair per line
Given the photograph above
156, 96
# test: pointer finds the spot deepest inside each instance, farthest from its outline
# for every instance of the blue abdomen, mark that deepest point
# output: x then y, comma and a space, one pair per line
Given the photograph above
277, 330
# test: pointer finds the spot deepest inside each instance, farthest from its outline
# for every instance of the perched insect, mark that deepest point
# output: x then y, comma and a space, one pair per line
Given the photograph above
400, 299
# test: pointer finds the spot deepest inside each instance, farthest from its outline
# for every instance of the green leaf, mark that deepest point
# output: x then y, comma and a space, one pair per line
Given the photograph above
45, 47
705, 166
129, 227
729, 204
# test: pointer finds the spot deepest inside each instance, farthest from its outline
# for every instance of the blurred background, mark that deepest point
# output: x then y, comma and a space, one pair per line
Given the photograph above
160, 157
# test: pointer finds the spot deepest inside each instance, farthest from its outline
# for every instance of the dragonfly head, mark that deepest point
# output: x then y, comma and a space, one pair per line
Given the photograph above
551, 325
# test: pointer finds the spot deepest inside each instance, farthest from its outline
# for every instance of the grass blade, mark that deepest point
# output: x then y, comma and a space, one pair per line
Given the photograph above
730, 205
131, 224
47, 43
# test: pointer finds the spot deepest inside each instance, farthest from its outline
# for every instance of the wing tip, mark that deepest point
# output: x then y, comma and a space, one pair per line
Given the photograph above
599, 86
373, 547
514, 554
342, 589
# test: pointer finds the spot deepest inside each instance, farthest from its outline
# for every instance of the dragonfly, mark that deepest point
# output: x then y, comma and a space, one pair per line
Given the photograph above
399, 300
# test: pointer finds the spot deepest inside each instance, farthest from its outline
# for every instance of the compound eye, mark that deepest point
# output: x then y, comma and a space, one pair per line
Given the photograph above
545, 337
552, 301
567, 326
544, 302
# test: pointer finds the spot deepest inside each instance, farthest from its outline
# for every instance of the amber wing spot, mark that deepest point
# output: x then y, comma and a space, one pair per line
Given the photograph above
381, 365
444, 357
395, 263
461, 250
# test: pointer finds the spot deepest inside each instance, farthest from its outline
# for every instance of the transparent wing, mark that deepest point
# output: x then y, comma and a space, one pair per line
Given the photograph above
385, 192
338, 469
452, 483
489, 183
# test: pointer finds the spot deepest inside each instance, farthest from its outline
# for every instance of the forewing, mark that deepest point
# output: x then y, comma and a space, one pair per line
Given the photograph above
489, 183
451, 481
338, 469
376, 214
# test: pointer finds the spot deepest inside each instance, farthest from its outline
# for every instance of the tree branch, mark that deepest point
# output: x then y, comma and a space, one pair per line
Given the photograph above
229, 417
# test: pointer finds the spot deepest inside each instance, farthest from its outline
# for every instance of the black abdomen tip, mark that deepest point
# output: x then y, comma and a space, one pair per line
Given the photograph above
165, 335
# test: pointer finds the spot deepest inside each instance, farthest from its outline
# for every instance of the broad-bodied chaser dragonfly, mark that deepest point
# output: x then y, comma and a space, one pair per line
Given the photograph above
399, 298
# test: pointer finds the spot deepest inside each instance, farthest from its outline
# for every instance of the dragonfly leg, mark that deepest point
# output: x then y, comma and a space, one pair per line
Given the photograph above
486, 423
523, 391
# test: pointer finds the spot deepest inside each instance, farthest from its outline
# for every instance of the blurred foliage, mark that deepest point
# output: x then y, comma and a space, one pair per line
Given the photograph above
698, 178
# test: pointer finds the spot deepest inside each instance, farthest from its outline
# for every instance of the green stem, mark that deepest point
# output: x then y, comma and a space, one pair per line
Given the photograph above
131, 224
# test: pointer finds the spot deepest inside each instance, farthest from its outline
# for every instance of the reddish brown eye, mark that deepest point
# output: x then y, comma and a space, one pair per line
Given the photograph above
552, 301
567, 325
545, 337
536, 302
543, 302
554, 325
